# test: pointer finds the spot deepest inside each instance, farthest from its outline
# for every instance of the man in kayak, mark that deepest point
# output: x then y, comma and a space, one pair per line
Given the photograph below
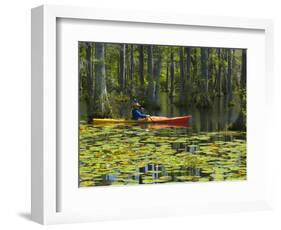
137, 113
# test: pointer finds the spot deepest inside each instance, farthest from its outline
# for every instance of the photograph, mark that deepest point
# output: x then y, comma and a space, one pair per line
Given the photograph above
154, 114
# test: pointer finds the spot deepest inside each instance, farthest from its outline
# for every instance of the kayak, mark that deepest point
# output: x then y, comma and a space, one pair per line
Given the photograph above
152, 119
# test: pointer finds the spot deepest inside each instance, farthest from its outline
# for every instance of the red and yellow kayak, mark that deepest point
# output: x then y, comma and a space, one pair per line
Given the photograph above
152, 119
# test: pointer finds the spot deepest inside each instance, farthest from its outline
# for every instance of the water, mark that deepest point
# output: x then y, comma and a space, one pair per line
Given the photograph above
217, 118
153, 153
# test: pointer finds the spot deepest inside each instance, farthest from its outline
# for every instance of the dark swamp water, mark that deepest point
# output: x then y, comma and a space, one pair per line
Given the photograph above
151, 154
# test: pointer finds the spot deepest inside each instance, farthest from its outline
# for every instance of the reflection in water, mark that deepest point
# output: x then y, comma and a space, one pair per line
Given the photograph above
214, 119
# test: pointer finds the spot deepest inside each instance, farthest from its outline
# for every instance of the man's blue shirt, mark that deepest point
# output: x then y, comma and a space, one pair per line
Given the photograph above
137, 114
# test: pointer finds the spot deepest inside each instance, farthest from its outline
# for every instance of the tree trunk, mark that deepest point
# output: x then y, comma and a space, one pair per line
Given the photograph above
172, 74
243, 69
229, 74
194, 61
122, 74
141, 66
102, 106
188, 63
234, 68
204, 98
80, 64
182, 77
90, 84
212, 75
219, 73
167, 76
240, 123
150, 87
157, 76
132, 65
204, 69
224, 60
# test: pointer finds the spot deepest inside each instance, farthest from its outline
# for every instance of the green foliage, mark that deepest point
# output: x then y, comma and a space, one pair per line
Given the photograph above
122, 104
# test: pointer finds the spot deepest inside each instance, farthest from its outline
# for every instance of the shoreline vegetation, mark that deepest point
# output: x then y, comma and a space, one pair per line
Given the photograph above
112, 75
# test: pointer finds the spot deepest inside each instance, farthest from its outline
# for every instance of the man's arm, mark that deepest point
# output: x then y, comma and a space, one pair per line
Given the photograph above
140, 114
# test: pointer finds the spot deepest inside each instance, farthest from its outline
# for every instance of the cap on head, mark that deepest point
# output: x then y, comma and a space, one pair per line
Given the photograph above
136, 105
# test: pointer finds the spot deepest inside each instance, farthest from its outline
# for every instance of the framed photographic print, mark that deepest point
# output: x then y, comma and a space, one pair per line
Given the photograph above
138, 114
135, 126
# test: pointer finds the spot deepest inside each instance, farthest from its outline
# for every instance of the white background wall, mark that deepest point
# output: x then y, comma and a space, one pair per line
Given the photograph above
15, 112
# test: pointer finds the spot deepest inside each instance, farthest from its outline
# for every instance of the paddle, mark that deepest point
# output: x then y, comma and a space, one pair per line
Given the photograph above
150, 118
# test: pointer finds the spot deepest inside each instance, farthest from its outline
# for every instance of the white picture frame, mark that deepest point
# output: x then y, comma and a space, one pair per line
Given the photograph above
46, 164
